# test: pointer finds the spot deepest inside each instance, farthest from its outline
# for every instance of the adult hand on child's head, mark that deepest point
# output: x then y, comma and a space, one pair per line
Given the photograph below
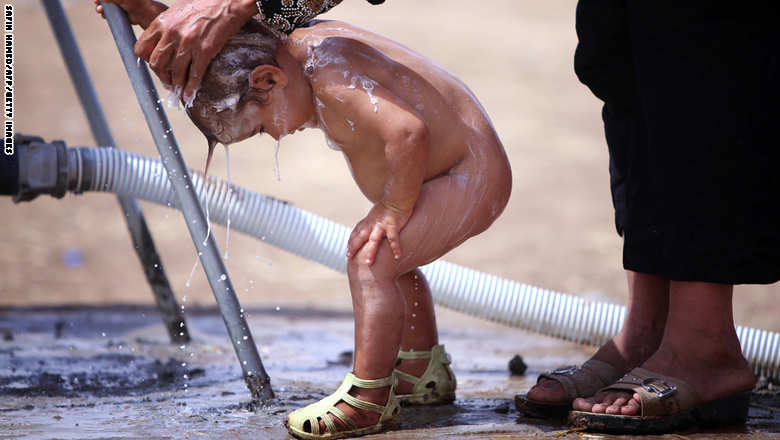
181, 42
382, 221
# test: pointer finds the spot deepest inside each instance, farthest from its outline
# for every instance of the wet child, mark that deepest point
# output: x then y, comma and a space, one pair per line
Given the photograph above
422, 150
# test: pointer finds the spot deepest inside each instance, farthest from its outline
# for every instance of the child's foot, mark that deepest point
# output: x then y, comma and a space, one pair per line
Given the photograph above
425, 377
358, 407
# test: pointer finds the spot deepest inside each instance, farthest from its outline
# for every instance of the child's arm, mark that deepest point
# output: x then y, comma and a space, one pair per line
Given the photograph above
140, 12
384, 116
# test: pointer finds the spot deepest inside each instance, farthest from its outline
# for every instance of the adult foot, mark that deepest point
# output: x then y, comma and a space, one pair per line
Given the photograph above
622, 353
639, 338
712, 376
700, 348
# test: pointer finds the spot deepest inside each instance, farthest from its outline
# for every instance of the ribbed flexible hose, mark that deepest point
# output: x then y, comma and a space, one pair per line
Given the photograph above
318, 239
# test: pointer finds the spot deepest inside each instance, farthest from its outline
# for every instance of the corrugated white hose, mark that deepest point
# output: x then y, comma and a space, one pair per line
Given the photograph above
456, 287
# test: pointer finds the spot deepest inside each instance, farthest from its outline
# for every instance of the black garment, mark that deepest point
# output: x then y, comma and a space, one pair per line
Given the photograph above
691, 96
286, 15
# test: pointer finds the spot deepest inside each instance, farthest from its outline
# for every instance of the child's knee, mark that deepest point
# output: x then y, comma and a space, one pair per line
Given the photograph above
384, 266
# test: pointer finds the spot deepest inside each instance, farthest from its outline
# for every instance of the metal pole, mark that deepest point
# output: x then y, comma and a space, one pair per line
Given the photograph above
139, 232
256, 378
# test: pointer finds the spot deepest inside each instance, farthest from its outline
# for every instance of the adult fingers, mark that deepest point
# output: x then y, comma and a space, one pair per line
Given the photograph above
148, 41
179, 67
160, 60
197, 70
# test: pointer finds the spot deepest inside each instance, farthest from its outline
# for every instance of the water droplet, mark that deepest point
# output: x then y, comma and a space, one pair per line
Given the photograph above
222, 277
246, 337
278, 308
103, 334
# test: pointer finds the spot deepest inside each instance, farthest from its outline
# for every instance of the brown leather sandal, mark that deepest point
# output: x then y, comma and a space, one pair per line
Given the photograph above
582, 381
668, 404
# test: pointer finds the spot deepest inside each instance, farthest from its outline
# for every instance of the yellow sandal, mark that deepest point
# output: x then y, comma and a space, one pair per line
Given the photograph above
436, 385
312, 414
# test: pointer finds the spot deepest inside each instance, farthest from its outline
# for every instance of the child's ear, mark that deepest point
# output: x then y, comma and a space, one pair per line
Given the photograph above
266, 77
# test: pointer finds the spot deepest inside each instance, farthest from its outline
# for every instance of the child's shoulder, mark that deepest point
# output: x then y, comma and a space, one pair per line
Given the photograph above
336, 61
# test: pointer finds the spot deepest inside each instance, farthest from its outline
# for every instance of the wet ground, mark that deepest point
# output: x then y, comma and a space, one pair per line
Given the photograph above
109, 372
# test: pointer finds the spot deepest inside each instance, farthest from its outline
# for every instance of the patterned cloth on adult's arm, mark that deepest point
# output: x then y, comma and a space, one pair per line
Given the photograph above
286, 15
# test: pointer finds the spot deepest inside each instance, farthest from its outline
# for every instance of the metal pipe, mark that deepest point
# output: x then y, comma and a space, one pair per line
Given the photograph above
143, 243
254, 374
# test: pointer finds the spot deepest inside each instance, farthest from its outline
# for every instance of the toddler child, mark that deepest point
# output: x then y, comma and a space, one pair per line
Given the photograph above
422, 150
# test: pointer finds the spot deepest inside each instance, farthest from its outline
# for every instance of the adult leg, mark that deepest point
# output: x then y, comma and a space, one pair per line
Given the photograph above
700, 316
648, 303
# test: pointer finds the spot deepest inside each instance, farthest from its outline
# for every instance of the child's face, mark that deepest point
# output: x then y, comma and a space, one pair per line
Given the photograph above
277, 117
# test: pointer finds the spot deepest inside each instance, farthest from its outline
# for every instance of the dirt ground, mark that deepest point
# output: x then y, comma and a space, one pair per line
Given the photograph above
557, 231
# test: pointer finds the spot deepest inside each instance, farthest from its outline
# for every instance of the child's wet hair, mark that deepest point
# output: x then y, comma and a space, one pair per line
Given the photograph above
225, 88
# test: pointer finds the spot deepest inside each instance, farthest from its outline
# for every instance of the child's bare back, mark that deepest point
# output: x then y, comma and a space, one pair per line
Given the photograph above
401, 121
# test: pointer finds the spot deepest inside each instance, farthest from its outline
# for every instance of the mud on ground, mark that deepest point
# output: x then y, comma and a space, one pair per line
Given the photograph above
109, 372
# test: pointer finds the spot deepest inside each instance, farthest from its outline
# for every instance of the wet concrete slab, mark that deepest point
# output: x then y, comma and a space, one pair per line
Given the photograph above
109, 372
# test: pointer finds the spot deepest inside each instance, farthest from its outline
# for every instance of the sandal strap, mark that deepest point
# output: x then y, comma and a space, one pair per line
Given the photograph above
329, 423
371, 383
583, 381
658, 394
406, 377
343, 417
413, 355
362, 404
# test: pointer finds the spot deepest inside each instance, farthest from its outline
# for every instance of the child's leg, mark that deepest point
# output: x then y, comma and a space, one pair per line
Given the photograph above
419, 330
450, 209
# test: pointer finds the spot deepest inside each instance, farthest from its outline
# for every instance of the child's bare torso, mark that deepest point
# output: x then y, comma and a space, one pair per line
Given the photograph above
364, 83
